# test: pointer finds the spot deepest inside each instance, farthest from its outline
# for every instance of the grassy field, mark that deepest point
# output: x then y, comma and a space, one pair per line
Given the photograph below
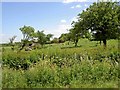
89, 65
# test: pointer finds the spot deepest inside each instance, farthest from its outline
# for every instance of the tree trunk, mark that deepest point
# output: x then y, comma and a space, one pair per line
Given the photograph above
75, 44
104, 42
76, 41
104, 37
100, 42
22, 46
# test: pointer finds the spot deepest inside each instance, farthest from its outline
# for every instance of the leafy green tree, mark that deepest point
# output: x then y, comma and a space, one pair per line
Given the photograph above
49, 36
119, 19
28, 32
102, 18
41, 37
89, 35
63, 37
76, 32
74, 36
55, 40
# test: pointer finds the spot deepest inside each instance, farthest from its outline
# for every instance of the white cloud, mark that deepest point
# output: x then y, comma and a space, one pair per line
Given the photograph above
108, 0
84, 9
5, 38
86, 5
70, 1
30, 0
72, 7
61, 29
63, 21
74, 19
78, 6
1, 34
58, 30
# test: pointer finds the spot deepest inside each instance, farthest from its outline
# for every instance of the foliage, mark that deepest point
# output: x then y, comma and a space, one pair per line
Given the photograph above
55, 40
47, 74
64, 37
30, 36
62, 65
49, 36
27, 32
101, 18
76, 32
69, 67
41, 37
74, 36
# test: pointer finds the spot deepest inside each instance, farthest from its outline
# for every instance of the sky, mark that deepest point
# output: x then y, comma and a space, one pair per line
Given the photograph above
52, 17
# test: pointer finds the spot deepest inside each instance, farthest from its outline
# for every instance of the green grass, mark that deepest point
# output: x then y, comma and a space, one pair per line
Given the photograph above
77, 74
89, 65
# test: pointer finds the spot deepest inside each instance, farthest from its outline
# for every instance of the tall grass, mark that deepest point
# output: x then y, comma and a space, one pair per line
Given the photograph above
63, 66
70, 74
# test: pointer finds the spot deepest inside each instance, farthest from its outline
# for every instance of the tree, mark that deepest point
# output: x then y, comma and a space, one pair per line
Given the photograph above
97, 36
74, 36
119, 19
89, 35
55, 40
11, 41
28, 34
102, 18
63, 38
41, 38
76, 32
49, 36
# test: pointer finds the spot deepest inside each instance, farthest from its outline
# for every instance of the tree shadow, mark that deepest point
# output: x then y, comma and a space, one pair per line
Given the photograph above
93, 46
71, 47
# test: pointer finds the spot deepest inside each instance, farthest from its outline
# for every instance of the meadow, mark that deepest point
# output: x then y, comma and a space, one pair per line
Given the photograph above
89, 65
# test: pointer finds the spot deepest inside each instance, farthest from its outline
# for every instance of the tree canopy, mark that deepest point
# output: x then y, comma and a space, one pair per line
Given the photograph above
101, 18
41, 37
27, 32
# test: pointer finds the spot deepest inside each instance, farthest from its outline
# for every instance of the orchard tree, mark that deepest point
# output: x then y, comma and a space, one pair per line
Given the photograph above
102, 18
